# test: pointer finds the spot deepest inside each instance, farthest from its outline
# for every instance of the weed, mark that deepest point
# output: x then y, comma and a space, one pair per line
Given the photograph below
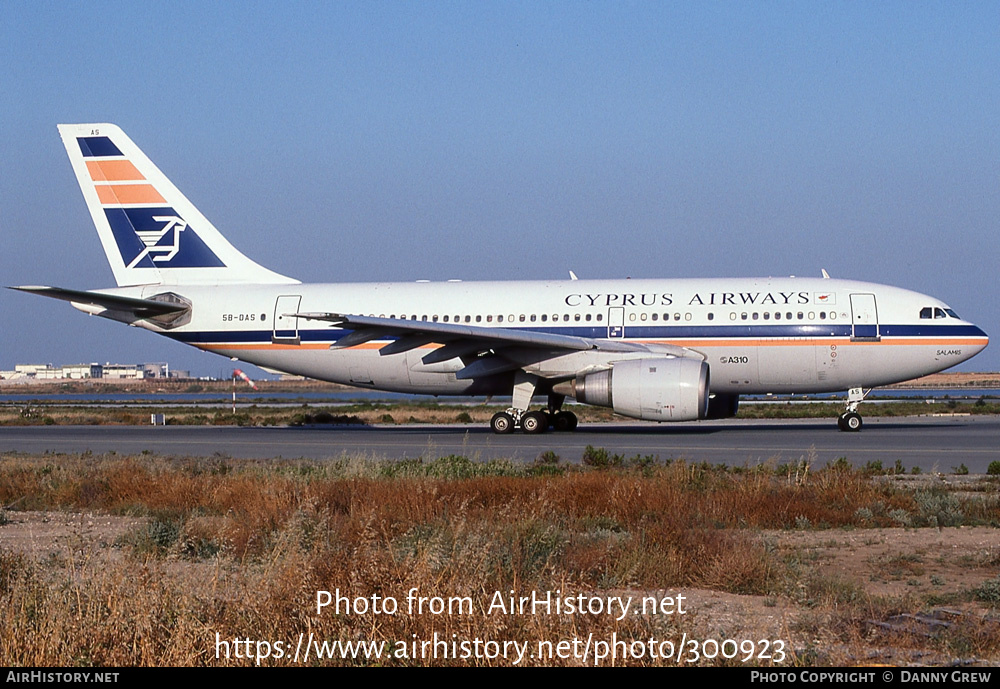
596, 457
989, 591
547, 457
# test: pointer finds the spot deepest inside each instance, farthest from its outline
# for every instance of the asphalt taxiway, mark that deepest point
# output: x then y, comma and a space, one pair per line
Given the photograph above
930, 443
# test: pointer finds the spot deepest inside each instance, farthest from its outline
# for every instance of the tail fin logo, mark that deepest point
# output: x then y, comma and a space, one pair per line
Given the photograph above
151, 232
151, 239
140, 208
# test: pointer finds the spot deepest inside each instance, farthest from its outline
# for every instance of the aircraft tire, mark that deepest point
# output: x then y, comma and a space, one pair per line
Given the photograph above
534, 422
850, 422
564, 421
502, 423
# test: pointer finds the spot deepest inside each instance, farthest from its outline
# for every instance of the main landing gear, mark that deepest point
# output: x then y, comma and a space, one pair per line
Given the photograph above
850, 421
537, 421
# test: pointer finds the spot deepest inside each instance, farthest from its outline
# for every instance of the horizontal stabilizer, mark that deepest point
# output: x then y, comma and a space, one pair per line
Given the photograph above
143, 308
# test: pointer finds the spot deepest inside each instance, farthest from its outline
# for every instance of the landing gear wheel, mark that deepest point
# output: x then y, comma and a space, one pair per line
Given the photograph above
534, 422
502, 422
564, 421
850, 422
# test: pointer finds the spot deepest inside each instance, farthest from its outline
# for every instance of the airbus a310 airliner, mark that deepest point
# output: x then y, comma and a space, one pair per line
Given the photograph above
659, 350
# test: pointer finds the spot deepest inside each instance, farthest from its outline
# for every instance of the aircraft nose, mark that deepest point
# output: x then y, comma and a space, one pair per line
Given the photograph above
980, 340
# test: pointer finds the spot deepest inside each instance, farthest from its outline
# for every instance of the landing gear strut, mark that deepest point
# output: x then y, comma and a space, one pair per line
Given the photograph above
850, 421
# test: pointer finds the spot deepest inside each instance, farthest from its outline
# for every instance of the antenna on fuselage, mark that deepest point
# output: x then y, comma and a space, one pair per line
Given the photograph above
826, 275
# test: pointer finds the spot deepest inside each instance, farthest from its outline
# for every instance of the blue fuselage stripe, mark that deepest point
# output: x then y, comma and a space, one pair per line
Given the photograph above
632, 332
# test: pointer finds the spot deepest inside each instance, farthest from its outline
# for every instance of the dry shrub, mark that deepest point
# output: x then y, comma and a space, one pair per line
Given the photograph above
269, 535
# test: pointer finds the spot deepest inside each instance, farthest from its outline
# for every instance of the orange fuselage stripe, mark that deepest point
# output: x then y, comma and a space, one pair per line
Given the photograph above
826, 342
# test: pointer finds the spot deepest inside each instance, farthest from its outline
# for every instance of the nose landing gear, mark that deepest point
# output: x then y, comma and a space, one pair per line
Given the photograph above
850, 421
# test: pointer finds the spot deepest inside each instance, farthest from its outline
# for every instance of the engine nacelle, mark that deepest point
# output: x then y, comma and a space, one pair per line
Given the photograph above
649, 389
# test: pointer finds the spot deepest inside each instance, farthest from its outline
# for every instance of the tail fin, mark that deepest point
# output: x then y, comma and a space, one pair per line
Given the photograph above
151, 233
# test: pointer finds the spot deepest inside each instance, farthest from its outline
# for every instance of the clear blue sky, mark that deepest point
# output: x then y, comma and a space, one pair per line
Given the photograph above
406, 140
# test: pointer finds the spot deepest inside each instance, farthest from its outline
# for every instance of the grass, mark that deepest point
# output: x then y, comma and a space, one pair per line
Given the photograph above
259, 539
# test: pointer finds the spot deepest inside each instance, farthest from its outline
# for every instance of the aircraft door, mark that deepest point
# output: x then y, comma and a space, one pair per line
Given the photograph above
286, 327
616, 322
864, 317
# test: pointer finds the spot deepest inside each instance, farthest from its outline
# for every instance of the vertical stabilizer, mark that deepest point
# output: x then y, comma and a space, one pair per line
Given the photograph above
150, 232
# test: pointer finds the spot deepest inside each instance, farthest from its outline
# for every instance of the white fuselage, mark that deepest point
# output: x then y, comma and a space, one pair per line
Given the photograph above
758, 335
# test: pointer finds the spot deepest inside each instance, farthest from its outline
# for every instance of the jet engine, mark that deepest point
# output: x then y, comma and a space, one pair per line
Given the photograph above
650, 389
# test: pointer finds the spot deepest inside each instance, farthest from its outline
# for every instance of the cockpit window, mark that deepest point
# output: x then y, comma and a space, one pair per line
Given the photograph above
938, 312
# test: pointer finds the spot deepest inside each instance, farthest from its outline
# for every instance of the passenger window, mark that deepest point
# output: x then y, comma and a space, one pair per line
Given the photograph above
767, 315
600, 317
711, 316
576, 317
654, 316
588, 317
445, 319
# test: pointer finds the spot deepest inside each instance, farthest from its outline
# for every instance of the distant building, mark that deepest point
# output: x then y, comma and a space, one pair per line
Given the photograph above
123, 371
29, 372
82, 371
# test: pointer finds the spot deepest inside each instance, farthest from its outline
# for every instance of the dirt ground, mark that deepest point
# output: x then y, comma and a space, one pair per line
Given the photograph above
901, 564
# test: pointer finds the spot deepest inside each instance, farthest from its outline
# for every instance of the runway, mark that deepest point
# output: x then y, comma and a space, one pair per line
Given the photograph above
930, 443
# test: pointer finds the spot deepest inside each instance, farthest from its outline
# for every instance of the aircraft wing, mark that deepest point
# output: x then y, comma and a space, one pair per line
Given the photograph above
470, 342
93, 302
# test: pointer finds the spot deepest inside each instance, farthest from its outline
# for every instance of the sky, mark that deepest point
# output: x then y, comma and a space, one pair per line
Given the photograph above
373, 141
